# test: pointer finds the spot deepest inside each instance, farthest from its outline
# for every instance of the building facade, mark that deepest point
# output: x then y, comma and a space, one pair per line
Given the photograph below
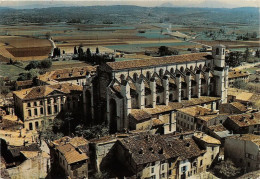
156, 86
38, 106
244, 151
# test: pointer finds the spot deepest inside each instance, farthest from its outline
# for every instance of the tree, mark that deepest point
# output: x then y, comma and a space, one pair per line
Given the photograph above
234, 59
227, 169
163, 50
254, 35
32, 65
257, 53
48, 35
47, 63
93, 131
97, 50
75, 50
246, 55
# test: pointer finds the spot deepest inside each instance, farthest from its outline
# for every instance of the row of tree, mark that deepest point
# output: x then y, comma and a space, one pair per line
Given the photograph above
44, 64
93, 58
236, 58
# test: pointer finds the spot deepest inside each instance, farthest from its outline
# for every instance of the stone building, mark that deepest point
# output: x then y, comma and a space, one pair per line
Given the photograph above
166, 156
194, 117
244, 123
234, 76
76, 76
156, 86
71, 154
244, 151
26, 161
39, 105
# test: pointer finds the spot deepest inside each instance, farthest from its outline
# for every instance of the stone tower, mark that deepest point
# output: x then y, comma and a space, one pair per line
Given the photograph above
220, 71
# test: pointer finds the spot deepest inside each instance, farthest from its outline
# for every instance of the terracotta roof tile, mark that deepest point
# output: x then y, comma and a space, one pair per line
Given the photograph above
71, 154
246, 119
42, 91
247, 137
158, 61
150, 148
237, 74
67, 73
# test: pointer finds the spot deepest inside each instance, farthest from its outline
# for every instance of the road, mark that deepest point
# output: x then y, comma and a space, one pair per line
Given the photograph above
53, 45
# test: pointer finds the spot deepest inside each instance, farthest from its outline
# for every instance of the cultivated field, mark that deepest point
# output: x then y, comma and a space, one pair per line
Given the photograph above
25, 42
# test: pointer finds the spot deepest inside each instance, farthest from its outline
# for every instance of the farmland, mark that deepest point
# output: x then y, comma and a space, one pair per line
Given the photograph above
132, 30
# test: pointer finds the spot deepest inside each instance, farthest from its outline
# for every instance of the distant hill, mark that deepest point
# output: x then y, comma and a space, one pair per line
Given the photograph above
129, 14
167, 4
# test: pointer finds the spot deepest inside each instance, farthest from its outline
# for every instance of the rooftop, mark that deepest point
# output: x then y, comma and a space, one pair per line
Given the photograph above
158, 61
151, 148
206, 138
43, 91
66, 73
24, 83
197, 111
246, 119
217, 128
146, 113
247, 137
71, 154
237, 74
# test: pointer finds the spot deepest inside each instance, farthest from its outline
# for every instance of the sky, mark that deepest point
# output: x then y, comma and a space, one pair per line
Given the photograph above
146, 3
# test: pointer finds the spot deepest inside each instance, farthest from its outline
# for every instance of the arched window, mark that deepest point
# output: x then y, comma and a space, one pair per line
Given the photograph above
158, 99
122, 77
161, 72
172, 70
182, 69
148, 75
135, 77
217, 51
170, 97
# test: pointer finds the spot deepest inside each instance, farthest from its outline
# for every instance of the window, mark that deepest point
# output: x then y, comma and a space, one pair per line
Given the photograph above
212, 148
152, 170
36, 125
41, 103
183, 169
55, 100
153, 177
201, 162
158, 99
41, 110
163, 175
212, 157
49, 109
29, 113
170, 172
35, 112
170, 164
30, 126
35, 103
28, 104
162, 167
55, 108
217, 51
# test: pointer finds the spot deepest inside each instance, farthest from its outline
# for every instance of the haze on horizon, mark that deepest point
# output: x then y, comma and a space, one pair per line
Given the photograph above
29, 4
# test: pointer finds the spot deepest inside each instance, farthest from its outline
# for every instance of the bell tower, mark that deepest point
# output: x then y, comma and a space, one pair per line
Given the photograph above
220, 72
218, 53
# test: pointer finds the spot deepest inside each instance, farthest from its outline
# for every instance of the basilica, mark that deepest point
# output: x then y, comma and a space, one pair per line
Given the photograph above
145, 94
